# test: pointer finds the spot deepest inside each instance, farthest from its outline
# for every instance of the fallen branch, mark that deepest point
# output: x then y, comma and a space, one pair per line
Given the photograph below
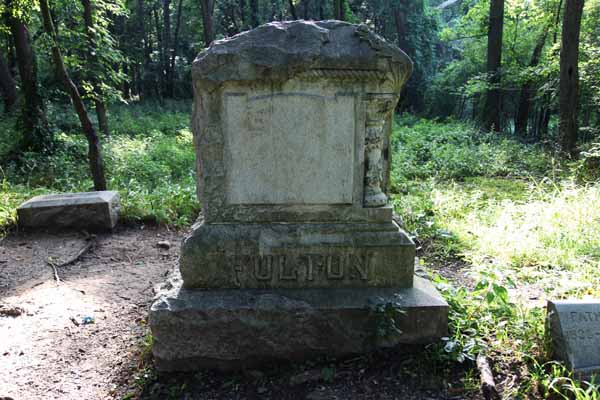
81, 252
56, 277
488, 386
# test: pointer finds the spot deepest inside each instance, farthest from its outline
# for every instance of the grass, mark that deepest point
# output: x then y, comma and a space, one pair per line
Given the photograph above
149, 159
517, 216
521, 220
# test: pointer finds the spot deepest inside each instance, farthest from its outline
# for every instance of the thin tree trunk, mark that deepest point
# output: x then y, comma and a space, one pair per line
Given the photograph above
32, 120
166, 70
306, 11
208, 7
493, 101
254, 18
144, 45
171, 82
522, 116
569, 77
7, 84
339, 11
88, 19
293, 9
547, 108
160, 47
94, 149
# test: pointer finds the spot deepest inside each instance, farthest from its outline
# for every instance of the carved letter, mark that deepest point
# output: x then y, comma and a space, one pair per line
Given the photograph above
309, 268
265, 264
339, 274
361, 265
291, 276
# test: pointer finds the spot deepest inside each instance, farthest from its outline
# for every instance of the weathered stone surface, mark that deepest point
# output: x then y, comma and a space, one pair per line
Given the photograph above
293, 120
269, 166
297, 256
86, 210
292, 127
266, 53
574, 330
235, 329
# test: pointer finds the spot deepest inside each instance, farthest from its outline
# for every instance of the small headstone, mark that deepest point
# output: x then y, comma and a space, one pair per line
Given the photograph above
86, 210
574, 330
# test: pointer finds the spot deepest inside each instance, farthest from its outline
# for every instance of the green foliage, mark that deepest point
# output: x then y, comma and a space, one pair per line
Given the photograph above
424, 149
150, 161
519, 220
387, 319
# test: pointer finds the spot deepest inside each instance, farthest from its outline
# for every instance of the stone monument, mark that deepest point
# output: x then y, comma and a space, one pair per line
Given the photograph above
573, 329
297, 249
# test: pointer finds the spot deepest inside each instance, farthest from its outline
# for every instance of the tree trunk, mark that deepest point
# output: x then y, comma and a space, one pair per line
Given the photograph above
254, 17
293, 9
306, 11
339, 11
94, 150
171, 75
569, 77
547, 108
160, 48
493, 101
93, 64
143, 87
208, 7
522, 115
7, 85
32, 120
166, 71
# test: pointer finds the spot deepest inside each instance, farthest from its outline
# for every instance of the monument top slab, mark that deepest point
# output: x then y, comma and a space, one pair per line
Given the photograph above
279, 51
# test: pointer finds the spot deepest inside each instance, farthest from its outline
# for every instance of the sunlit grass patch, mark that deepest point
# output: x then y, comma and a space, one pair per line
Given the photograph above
149, 159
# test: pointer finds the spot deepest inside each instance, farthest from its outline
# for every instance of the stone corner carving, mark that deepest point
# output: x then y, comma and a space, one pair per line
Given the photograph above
378, 109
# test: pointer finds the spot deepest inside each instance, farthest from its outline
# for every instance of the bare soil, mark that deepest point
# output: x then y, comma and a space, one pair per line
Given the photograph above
48, 351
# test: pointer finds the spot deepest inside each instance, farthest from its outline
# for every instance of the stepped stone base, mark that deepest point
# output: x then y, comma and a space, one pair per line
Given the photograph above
245, 328
297, 255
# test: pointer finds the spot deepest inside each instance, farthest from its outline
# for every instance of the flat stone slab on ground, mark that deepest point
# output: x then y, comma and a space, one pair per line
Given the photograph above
574, 328
84, 210
245, 328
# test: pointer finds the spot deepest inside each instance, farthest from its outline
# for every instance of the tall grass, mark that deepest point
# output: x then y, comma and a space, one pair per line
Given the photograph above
521, 219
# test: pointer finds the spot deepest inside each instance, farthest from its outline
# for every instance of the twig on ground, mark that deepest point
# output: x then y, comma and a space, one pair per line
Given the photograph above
90, 242
488, 386
55, 270
80, 253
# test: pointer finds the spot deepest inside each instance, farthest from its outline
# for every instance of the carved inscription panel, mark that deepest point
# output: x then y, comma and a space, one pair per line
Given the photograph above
300, 269
576, 332
289, 148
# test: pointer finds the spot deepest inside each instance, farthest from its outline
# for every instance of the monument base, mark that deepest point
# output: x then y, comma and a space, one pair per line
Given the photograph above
245, 328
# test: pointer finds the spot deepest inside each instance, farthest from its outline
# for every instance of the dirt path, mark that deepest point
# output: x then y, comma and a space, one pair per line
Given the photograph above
47, 352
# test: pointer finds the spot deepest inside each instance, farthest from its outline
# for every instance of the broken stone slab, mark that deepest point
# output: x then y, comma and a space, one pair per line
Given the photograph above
92, 211
573, 327
246, 328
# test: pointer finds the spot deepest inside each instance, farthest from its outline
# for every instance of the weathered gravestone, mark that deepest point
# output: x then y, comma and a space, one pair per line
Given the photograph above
84, 210
297, 254
574, 331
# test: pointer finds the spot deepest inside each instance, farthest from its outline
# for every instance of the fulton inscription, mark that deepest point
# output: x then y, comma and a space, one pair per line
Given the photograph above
299, 268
